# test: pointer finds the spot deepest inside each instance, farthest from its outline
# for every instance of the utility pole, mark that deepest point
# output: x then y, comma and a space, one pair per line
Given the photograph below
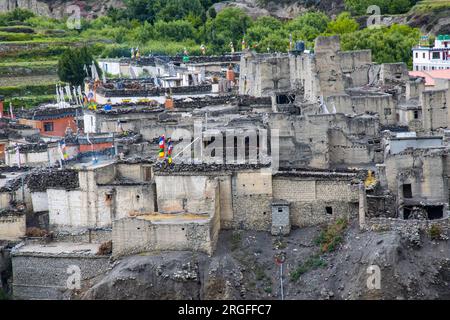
279, 259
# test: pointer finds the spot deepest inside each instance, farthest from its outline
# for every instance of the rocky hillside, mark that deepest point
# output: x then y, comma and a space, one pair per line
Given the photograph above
282, 9
59, 8
412, 265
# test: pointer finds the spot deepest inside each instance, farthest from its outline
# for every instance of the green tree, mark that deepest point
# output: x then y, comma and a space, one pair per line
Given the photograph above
229, 25
180, 9
343, 24
143, 10
71, 65
177, 30
268, 22
388, 44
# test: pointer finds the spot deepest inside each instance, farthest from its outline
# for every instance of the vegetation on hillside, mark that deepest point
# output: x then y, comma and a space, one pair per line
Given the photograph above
176, 26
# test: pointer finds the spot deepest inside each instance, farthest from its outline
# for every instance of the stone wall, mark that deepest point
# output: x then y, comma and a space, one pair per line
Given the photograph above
309, 199
435, 106
252, 197
44, 276
424, 169
136, 235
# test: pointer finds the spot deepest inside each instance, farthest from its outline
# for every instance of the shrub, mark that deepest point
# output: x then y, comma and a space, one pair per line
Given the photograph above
105, 248
331, 236
35, 232
313, 262
435, 232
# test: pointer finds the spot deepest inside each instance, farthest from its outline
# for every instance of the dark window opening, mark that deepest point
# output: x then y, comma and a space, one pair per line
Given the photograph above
329, 210
247, 149
235, 148
280, 209
138, 197
48, 126
406, 213
436, 55
435, 212
108, 197
416, 114
407, 191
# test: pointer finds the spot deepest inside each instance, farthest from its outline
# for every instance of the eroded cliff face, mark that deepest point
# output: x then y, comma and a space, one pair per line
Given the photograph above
60, 8
287, 9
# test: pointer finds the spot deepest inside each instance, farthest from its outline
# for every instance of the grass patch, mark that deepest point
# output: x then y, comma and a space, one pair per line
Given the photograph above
30, 102
313, 262
331, 236
236, 239
260, 273
20, 91
435, 232
4, 295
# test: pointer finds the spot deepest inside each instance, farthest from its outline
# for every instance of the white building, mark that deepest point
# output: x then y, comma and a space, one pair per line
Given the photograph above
436, 58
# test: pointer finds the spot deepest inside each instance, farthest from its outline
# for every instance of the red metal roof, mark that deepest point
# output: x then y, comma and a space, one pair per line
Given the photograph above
431, 75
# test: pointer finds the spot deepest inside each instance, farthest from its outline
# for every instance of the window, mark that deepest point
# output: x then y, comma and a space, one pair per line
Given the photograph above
424, 55
417, 54
329, 210
417, 68
387, 111
280, 209
436, 55
48, 126
416, 114
407, 191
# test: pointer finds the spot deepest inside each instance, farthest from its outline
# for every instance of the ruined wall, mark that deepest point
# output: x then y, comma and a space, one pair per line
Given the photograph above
435, 113
328, 65
311, 197
424, 169
303, 77
383, 104
262, 75
394, 73
12, 226
355, 66
345, 151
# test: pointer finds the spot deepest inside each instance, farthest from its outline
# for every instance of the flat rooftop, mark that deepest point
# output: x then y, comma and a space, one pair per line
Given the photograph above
58, 248
168, 218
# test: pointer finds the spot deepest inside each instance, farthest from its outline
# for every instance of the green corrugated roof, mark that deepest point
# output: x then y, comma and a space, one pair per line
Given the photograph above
443, 37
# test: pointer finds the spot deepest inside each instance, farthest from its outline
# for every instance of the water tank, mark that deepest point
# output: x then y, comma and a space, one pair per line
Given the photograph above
300, 46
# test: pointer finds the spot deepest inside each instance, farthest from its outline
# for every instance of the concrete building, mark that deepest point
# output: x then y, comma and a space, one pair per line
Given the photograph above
433, 58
